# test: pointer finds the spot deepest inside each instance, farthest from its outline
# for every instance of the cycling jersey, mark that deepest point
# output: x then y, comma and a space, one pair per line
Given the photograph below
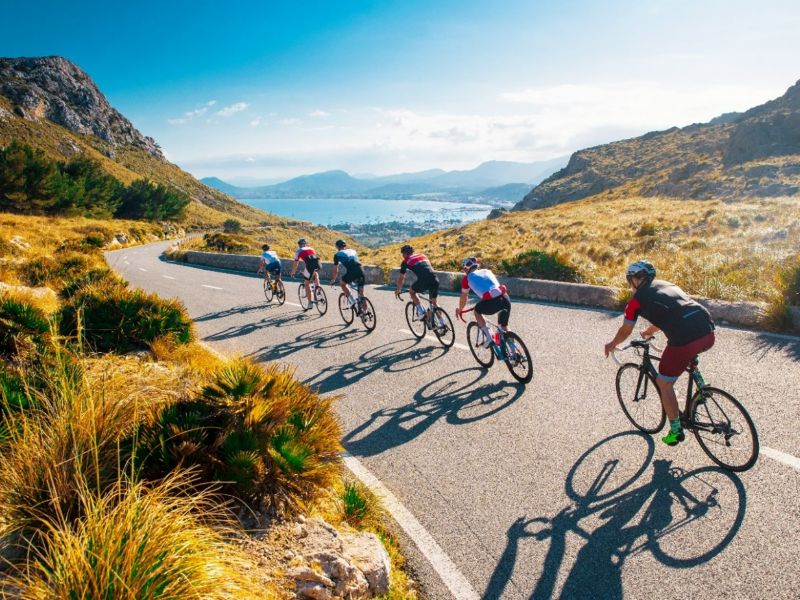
419, 265
347, 258
270, 258
306, 254
484, 283
667, 307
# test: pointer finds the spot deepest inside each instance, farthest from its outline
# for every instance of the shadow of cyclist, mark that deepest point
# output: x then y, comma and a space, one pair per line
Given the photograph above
456, 397
665, 516
233, 310
766, 344
322, 337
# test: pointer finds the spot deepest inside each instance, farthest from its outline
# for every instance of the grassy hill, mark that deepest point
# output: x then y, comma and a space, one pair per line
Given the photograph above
732, 251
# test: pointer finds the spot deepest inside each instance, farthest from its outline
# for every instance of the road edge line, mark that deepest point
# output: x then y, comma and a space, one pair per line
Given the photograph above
445, 568
781, 457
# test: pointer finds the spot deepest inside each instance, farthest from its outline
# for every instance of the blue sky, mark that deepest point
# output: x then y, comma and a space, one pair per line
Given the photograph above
269, 90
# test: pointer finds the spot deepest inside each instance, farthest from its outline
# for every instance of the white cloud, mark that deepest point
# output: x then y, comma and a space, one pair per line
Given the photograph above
319, 114
255, 122
192, 114
232, 109
289, 121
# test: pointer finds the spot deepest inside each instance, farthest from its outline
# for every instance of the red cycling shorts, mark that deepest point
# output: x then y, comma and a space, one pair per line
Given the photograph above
675, 359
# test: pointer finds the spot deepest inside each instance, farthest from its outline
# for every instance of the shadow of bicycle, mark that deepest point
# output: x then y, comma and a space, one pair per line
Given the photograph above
322, 337
682, 519
457, 397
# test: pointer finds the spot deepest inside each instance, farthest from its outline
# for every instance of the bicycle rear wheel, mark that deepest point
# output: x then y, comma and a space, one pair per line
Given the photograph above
415, 323
268, 290
280, 292
301, 297
322, 300
724, 429
475, 339
518, 359
345, 310
443, 327
367, 315
639, 398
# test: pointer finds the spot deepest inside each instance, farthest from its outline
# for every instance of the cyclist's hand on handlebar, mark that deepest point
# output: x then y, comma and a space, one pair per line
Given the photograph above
397, 293
609, 348
460, 315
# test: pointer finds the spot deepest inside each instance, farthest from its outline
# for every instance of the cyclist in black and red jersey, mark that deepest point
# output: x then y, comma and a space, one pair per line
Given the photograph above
310, 267
426, 279
686, 324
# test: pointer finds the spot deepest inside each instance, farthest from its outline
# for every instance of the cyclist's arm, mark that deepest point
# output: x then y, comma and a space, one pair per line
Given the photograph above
400, 279
649, 331
462, 301
261, 266
622, 334
335, 274
294, 267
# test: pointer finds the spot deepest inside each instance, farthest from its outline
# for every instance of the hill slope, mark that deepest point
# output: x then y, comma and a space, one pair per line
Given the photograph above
754, 154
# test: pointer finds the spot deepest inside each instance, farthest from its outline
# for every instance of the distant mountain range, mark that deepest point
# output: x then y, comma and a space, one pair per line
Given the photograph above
753, 154
492, 182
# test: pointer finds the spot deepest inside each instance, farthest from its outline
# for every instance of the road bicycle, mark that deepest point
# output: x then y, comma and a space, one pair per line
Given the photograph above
436, 321
361, 308
719, 422
503, 345
320, 299
273, 288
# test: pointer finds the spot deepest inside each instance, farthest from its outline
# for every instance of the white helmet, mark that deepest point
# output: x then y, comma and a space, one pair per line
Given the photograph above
469, 263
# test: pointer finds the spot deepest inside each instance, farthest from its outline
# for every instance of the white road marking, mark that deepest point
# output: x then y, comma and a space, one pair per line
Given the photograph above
211, 287
448, 571
433, 339
167, 277
782, 457
141, 269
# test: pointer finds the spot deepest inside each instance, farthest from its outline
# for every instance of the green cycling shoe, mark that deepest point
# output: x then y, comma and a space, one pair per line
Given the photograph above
673, 438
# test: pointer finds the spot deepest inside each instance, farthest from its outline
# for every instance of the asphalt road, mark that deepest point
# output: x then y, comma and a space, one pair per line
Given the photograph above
539, 491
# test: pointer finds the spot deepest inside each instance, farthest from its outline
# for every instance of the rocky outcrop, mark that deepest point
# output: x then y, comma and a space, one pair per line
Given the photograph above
56, 89
711, 160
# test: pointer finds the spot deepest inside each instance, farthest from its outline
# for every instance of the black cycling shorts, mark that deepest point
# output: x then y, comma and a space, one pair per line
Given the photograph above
354, 276
274, 268
427, 284
501, 304
311, 265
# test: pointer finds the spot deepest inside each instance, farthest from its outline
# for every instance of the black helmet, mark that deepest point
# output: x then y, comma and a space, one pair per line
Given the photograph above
340, 244
406, 249
301, 242
265, 247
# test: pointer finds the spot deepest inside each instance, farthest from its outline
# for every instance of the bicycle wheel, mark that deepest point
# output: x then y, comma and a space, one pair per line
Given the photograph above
345, 309
268, 290
322, 300
367, 315
415, 323
639, 398
475, 340
443, 328
518, 359
280, 292
301, 297
724, 429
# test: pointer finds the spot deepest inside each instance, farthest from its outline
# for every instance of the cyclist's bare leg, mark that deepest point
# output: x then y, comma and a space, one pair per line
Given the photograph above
414, 297
480, 320
668, 398
345, 289
307, 285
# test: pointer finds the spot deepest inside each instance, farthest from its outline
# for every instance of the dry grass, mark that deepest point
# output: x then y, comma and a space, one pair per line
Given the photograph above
710, 248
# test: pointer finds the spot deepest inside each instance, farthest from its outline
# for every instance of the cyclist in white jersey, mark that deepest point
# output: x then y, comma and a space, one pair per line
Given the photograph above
493, 296
269, 262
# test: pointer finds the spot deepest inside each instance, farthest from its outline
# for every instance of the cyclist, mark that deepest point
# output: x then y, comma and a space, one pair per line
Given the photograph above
310, 267
269, 263
354, 274
686, 324
493, 297
426, 279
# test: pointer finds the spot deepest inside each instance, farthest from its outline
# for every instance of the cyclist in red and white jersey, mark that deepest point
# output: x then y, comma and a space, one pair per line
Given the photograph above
493, 296
426, 281
310, 267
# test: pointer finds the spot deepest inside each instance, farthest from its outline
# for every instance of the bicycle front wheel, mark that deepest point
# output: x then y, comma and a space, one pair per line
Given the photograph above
415, 323
518, 359
724, 429
443, 327
268, 290
476, 340
302, 298
322, 300
345, 310
367, 315
280, 292
639, 398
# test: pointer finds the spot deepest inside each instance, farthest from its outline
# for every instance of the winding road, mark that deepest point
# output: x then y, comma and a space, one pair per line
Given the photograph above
538, 491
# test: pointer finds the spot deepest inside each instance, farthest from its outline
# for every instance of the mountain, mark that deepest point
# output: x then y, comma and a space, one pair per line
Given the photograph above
752, 154
51, 104
462, 185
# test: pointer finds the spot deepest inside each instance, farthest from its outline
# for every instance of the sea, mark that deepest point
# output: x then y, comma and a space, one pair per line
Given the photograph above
362, 211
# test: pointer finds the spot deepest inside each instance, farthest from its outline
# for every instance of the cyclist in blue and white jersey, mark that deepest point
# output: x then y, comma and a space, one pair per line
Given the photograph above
269, 262
493, 296
354, 274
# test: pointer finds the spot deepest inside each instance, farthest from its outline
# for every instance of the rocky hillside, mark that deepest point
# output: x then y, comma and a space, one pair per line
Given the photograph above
52, 104
753, 154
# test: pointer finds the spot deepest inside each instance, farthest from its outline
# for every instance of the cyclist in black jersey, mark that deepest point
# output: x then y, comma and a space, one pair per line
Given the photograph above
354, 274
426, 281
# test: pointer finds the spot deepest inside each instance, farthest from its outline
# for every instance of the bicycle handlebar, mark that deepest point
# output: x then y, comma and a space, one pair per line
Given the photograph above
633, 344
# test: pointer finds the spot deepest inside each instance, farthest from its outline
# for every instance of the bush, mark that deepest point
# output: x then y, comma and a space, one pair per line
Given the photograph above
232, 226
102, 275
111, 318
23, 328
143, 199
223, 242
541, 265
53, 270
268, 439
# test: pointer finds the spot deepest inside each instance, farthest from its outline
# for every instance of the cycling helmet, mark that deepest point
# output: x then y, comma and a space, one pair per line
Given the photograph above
642, 269
340, 244
406, 249
265, 247
469, 263
301, 242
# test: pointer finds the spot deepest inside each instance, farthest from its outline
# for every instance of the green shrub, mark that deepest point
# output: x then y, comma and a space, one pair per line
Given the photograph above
53, 270
103, 275
541, 265
232, 226
223, 242
23, 327
110, 318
